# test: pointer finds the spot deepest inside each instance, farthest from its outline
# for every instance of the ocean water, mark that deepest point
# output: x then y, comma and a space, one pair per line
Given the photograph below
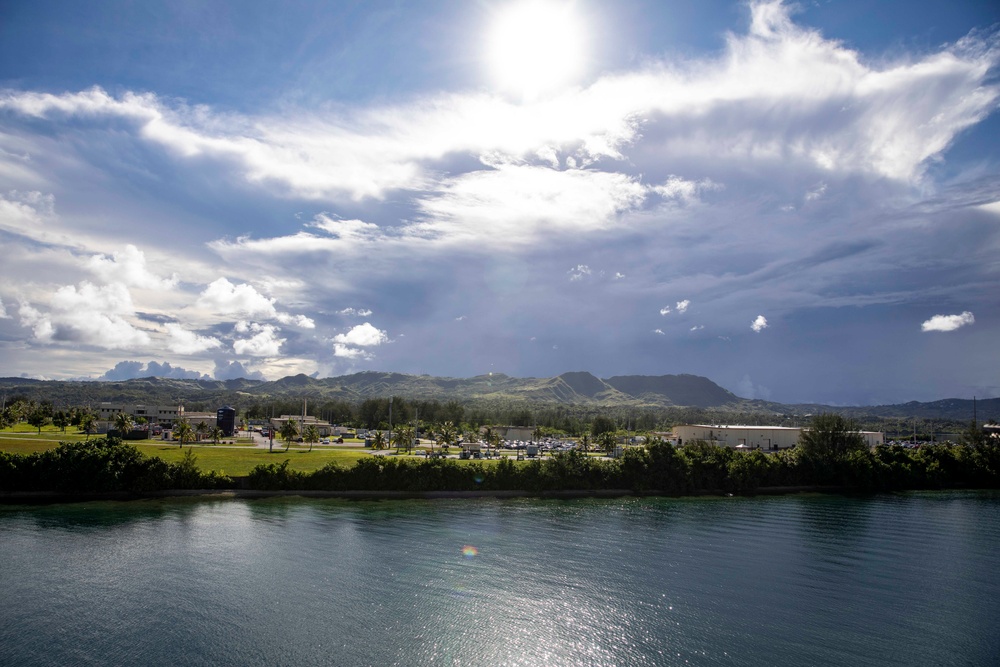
819, 580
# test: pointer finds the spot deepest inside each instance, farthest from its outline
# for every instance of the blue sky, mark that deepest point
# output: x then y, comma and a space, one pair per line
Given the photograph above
798, 201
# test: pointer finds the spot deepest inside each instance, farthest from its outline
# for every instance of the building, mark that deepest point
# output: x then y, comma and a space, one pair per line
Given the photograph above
324, 427
767, 438
155, 415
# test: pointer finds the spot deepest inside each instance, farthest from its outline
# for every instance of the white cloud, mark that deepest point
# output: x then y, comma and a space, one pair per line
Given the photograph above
578, 272
665, 310
698, 327
3, 311
90, 315
619, 276
296, 320
358, 312
759, 324
363, 335
682, 306
183, 341
128, 266
224, 298
348, 352
516, 204
461, 318
948, 322
684, 191
659, 332
263, 343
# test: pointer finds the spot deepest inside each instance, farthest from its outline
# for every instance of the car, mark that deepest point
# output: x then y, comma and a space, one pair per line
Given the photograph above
325, 441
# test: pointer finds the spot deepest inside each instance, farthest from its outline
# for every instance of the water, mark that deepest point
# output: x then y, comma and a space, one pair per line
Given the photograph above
891, 580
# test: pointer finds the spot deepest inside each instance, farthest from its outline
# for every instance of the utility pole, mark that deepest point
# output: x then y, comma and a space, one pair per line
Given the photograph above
390, 426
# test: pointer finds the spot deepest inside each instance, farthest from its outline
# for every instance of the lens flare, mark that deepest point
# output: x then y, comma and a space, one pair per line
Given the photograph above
469, 551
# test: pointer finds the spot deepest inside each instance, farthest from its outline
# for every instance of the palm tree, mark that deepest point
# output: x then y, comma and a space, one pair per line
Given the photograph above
216, 434
289, 431
447, 435
183, 432
123, 424
404, 438
87, 423
378, 440
494, 441
311, 435
201, 429
585, 442
608, 441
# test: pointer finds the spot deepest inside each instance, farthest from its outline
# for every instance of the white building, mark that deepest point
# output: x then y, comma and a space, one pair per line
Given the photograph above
153, 414
767, 438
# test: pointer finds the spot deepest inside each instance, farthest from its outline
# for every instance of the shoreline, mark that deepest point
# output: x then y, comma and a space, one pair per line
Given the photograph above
54, 497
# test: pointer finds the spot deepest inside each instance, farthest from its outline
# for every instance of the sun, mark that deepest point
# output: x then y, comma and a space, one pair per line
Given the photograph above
536, 47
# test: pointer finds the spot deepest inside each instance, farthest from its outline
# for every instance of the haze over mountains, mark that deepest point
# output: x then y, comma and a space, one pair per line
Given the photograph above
574, 388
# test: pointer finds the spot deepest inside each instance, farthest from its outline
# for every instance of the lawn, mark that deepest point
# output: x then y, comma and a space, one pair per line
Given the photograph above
231, 459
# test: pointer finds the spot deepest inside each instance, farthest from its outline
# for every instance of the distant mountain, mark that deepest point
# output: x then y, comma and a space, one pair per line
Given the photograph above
578, 389
681, 390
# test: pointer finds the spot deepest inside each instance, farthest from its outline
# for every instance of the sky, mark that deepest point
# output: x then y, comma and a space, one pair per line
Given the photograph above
799, 201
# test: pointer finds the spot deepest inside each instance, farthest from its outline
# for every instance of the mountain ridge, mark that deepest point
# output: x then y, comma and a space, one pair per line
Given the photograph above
574, 388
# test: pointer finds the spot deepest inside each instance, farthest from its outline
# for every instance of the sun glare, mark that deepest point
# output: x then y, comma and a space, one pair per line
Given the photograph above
536, 47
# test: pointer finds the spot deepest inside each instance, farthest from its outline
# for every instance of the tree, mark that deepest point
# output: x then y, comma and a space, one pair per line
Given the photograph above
403, 438
201, 429
585, 442
61, 420
974, 436
601, 425
124, 424
87, 420
38, 419
216, 434
378, 440
311, 435
608, 441
289, 431
830, 437
447, 435
183, 432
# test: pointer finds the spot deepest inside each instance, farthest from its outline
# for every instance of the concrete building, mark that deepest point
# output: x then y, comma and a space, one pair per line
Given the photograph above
767, 438
324, 427
154, 414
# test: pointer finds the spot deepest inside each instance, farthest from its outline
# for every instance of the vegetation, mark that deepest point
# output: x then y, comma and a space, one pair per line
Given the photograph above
101, 465
107, 464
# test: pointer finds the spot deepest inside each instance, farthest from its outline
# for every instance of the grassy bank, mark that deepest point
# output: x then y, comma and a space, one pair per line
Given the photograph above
108, 465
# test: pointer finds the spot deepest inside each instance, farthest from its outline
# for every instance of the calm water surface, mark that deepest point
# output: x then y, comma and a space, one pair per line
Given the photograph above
889, 580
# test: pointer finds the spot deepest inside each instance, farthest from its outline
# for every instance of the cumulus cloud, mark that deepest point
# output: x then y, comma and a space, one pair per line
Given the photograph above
128, 266
363, 335
579, 272
759, 324
665, 310
263, 343
225, 298
659, 332
351, 345
3, 311
948, 322
697, 327
296, 320
87, 314
682, 306
183, 341
129, 370
234, 370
